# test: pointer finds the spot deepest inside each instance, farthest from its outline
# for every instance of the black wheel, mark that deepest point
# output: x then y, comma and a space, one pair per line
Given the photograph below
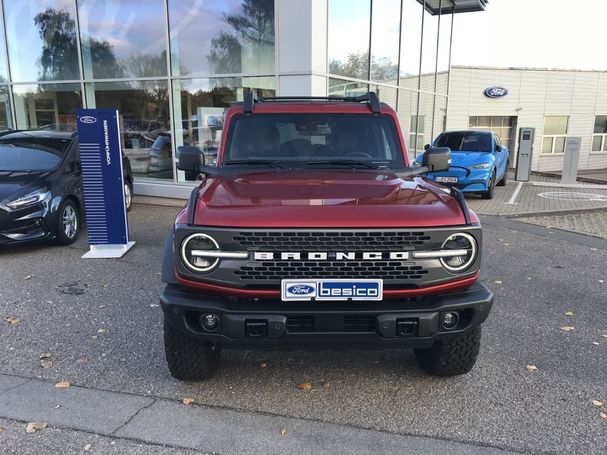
491, 190
68, 222
189, 359
452, 356
504, 181
128, 195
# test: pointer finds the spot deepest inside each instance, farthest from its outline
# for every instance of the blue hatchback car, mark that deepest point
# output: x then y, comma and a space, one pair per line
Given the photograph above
479, 162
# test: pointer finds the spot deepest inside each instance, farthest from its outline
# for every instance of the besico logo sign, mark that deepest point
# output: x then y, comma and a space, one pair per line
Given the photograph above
496, 92
331, 289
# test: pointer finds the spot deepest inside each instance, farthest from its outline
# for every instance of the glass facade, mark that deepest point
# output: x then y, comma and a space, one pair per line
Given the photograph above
171, 67
398, 49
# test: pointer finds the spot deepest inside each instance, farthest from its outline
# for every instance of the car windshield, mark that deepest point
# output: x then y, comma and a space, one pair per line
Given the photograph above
465, 141
314, 140
31, 154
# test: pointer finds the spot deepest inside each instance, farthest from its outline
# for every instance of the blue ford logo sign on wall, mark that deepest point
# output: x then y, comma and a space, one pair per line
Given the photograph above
496, 92
88, 119
301, 289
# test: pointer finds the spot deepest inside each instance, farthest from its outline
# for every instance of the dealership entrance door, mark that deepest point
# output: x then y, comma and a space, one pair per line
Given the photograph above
503, 126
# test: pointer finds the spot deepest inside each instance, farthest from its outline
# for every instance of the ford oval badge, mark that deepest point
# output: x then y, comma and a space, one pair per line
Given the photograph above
88, 119
496, 92
300, 289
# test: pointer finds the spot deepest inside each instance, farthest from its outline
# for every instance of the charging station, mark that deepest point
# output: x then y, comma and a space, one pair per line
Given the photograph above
524, 154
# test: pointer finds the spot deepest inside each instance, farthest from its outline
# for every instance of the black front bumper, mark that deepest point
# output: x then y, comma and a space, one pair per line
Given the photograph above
272, 324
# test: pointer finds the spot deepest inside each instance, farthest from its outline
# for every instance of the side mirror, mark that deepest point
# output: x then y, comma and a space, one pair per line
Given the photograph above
437, 159
189, 158
427, 147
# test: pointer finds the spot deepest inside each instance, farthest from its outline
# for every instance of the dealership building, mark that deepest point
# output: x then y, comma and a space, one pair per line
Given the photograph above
557, 103
172, 67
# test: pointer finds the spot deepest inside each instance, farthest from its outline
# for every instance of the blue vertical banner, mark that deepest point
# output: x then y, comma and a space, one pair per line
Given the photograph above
103, 183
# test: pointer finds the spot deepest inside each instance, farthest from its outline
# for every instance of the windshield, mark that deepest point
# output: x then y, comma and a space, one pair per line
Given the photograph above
314, 140
465, 141
31, 154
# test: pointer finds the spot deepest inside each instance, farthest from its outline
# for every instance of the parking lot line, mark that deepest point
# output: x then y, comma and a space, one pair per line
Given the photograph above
515, 194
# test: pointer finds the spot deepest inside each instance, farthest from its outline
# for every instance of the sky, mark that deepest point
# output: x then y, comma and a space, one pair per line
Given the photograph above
534, 33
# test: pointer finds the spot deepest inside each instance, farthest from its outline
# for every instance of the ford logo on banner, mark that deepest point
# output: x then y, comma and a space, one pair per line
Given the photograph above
301, 289
88, 119
496, 92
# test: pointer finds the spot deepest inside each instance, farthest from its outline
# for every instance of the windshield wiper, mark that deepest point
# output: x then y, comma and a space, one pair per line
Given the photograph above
270, 163
349, 163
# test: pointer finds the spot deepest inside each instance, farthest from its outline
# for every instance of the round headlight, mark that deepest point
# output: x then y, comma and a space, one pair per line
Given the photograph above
191, 248
463, 242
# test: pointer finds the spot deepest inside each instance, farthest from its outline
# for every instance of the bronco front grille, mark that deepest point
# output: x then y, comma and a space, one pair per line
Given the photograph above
330, 241
387, 270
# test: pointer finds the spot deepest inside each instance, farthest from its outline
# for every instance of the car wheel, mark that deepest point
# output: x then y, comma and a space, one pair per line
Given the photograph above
504, 180
189, 359
68, 222
452, 356
491, 190
128, 195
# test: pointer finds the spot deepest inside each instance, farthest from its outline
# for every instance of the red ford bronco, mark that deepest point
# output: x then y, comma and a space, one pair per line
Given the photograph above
313, 231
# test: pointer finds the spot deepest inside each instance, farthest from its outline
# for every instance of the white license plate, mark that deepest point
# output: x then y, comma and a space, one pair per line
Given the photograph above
331, 289
447, 179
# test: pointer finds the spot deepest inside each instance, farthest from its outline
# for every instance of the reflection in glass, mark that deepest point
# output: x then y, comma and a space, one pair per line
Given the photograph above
349, 29
123, 39
385, 31
339, 87
42, 40
3, 67
6, 121
144, 117
386, 94
407, 108
444, 53
440, 117
222, 36
48, 106
429, 46
411, 35
200, 107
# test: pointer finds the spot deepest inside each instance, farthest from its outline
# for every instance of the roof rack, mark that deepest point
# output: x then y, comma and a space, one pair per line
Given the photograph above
371, 98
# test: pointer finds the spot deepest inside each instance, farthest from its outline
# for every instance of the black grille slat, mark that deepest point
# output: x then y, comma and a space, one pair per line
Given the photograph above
330, 269
359, 324
300, 323
334, 241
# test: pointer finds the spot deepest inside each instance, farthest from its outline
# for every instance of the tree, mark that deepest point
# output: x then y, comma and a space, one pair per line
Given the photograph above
357, 66
251, 39
59, 59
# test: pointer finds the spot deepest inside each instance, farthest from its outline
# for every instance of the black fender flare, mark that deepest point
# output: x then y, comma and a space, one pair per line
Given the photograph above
168, 261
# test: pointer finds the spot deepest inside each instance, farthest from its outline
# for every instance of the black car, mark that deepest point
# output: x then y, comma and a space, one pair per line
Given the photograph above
41, 193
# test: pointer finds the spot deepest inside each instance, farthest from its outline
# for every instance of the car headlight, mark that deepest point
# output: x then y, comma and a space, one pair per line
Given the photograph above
197, 252
464, 242
29, 199
481, 166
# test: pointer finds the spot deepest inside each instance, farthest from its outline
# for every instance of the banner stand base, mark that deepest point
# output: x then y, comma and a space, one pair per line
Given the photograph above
107, 251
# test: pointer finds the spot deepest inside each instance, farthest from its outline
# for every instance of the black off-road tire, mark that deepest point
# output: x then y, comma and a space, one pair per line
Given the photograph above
504, 181
491, 191
452, 356
189, 359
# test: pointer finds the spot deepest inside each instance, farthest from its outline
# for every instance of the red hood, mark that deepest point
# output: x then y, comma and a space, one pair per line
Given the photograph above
314, 199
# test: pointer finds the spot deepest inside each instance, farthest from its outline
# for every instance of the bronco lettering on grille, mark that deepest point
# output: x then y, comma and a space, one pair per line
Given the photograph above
325, 256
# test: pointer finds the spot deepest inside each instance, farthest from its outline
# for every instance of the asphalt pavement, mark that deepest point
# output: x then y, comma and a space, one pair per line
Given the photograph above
101, 324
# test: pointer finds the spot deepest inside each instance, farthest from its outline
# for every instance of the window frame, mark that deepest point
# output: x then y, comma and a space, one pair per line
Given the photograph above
603, 147
554, 137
